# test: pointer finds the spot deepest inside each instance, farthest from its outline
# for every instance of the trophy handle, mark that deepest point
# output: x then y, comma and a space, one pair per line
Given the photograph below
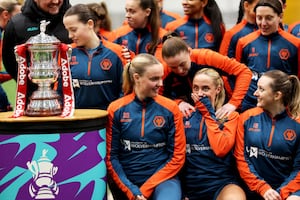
33, 167
54, 170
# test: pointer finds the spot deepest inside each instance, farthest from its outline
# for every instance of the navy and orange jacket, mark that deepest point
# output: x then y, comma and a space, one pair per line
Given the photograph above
209, 160
280, 50
136, 40
294, 29
267, 152
97, 76
105, 34
231, 37
145, 143
197, 33
167, 16
228, 46
179, 88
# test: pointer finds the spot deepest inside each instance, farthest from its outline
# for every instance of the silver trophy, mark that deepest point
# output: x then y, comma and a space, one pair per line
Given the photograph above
43, 71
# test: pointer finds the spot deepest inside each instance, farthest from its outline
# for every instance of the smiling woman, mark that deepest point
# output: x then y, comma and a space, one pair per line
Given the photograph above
268, 138
145, 136
279, 51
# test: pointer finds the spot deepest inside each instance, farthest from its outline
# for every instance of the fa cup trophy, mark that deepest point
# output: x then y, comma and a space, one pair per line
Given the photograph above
48, 60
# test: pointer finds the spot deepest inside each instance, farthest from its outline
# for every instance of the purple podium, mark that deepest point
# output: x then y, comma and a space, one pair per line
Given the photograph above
53, 157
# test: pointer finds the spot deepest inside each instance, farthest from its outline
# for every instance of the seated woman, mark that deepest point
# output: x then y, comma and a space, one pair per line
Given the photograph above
267, 146
209, 172
145, 136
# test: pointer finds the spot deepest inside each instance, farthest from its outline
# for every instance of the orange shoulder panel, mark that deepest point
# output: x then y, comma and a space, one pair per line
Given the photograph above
123, 30
228, 37
172, 14
290, 37
171, 26
115, 48
243, 41
292, 26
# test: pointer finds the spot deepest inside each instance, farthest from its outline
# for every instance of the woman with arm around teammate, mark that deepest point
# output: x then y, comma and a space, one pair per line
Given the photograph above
184, 62
267, 147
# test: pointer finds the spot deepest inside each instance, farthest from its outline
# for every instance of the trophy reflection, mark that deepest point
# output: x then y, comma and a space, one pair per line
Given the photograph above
44, 53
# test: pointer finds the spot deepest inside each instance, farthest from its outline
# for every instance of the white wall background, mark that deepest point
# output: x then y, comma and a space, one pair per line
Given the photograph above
229, 9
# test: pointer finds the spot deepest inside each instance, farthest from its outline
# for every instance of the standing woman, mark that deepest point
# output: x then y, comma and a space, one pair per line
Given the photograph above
268, 139
268, 48
246, 24
145, 136
96, 64
202, 26
209, 170
142, 33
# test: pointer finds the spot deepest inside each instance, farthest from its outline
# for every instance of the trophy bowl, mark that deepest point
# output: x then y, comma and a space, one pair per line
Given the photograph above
43, 71
43, 59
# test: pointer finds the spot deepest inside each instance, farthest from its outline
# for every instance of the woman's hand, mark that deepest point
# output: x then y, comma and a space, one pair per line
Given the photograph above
126, 54
272, 195
186, 109
225, 111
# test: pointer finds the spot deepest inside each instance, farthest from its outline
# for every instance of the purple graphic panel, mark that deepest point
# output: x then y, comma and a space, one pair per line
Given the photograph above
53, 166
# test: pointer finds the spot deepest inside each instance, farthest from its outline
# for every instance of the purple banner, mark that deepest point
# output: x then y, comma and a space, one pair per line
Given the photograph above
53, 166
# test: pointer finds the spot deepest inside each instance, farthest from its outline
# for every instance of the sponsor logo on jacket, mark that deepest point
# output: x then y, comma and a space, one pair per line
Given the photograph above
254, 128
253, 52
126, 117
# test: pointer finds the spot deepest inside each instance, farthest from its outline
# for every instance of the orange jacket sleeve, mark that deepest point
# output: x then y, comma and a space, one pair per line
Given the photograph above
221, 141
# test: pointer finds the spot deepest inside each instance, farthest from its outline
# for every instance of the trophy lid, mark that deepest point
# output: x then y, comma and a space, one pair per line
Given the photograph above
42, 37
